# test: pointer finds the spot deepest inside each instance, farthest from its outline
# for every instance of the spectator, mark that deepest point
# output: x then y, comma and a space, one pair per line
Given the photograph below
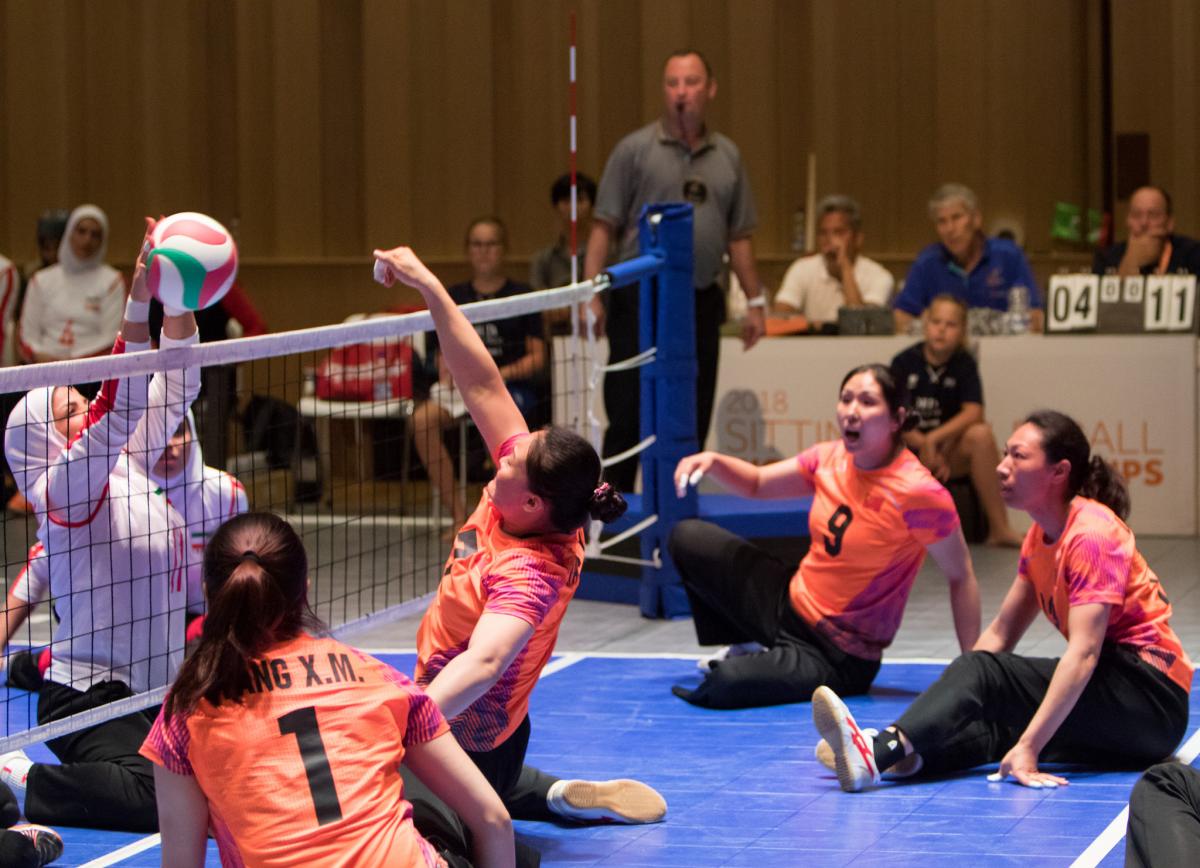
51, 226
551, 266
965, 263
73, 309
837, 276
516, 344
952, 438
674, 158
1153, 247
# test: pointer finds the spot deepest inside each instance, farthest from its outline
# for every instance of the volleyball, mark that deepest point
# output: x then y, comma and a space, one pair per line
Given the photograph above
192, 261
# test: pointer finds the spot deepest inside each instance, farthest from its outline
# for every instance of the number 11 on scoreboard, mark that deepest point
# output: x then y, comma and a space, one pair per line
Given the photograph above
1170, 302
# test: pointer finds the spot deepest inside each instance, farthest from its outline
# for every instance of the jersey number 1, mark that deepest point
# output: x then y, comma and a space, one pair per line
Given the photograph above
838, 523
302, 723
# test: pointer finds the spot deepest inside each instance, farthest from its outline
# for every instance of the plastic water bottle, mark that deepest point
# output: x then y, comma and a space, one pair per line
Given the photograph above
1016, 321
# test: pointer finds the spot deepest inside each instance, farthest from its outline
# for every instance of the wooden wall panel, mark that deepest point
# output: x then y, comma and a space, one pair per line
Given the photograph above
388, 208
324, 127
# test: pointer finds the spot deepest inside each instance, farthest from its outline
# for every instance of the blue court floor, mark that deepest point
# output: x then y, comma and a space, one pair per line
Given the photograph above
743, 788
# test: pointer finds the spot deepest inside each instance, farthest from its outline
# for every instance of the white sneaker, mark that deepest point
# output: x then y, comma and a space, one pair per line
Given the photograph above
853, 750
619, 801
906, 768
14, 770
741, 649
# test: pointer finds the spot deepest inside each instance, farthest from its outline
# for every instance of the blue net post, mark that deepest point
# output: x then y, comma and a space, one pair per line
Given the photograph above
668, 394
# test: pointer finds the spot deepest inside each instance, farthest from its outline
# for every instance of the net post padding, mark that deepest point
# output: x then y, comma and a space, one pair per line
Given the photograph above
668, 394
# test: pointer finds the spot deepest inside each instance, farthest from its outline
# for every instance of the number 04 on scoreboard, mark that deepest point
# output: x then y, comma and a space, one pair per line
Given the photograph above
1073, 303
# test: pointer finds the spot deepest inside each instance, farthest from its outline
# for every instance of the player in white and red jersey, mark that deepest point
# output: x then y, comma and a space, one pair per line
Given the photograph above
203, 496
876, 512
117, 558
1118, 696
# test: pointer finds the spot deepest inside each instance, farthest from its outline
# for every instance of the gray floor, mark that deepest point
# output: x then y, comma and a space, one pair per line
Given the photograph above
927, 631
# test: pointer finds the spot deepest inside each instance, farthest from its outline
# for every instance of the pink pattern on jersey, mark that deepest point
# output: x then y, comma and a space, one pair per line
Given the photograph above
425, 720
1095, 560
170, 740
936, 520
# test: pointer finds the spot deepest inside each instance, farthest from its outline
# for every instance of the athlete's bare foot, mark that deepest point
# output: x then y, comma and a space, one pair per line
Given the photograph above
1006, 538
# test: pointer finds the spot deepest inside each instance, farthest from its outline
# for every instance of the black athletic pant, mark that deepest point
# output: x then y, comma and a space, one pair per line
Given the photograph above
739, 593
1164, 818
103, 782
522, 788
622, 392
1129, 715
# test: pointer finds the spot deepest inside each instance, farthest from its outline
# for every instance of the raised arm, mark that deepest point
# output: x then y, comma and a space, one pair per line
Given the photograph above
475, 373
954, 559
779, 479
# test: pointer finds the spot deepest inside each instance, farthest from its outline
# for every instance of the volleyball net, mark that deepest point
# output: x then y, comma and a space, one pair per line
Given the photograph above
348, 431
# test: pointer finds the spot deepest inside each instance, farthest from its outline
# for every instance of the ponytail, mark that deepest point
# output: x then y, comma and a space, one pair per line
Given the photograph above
256, 578
1106, 485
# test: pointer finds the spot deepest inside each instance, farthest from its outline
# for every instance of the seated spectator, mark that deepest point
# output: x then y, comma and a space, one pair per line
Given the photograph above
952, 438
1153, 247
51, 226
817, 285
964, 263
73, 309
515, 343
551, 266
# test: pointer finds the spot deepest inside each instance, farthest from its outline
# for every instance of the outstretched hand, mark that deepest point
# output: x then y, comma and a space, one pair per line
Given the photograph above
690, 470
1021, 764
138, 290
402, 264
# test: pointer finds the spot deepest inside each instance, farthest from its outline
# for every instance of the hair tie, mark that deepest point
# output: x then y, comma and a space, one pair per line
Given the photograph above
602, 491
250, 555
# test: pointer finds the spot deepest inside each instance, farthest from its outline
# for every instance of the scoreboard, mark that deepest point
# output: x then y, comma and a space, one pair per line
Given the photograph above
1110, 304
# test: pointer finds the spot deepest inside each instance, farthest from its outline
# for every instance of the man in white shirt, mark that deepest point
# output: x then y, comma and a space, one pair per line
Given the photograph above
817, 285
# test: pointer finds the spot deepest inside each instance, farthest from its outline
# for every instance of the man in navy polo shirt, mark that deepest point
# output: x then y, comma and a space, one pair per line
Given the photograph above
964, 263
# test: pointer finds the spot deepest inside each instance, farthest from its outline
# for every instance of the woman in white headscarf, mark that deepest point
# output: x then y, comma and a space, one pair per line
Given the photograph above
205, 497
117, 554
73, 309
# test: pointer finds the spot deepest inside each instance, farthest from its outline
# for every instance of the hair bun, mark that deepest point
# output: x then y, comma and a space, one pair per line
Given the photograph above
607, 504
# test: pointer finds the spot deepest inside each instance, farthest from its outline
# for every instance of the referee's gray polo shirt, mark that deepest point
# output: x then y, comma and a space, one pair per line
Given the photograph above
650, 166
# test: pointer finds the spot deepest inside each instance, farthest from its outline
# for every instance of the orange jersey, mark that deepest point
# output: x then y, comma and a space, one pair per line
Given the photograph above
306, 769
531, 578
869, 531
1095, 560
